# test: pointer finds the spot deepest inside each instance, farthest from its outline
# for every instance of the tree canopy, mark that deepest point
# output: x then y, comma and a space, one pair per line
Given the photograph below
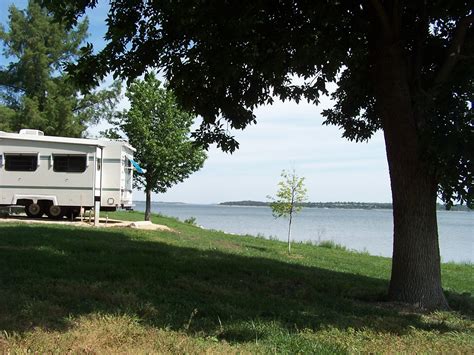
402, 66
34, 90
159, 129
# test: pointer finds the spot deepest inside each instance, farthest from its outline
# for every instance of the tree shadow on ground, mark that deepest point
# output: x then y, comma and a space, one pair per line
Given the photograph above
49, 274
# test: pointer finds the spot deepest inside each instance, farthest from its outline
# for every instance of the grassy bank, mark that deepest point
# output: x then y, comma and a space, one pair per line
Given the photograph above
120, 290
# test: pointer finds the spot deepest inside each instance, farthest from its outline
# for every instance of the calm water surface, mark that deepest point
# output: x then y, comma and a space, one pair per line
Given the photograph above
369, 230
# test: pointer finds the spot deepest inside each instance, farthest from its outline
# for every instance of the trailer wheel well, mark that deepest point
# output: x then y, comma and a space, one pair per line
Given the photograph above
24, 202
45, 204
27, 201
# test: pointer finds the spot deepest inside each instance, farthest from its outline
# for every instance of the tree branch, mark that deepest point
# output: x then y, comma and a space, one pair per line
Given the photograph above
382, 15
396, 16
454, 50
13, 87
422, 29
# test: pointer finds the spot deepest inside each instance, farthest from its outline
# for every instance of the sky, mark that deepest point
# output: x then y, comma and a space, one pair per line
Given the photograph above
287, 136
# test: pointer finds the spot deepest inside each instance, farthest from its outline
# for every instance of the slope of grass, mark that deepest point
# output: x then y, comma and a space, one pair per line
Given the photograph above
193, 290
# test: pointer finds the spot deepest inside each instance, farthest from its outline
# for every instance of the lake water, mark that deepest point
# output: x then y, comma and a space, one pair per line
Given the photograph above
363, 230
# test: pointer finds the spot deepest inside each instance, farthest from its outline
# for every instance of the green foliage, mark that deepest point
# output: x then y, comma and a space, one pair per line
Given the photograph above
290, 195
289, 198
330, 244
7, 116
191, 221
158, 129
34, 90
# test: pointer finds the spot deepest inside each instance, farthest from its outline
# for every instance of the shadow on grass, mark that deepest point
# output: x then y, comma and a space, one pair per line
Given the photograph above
49, 274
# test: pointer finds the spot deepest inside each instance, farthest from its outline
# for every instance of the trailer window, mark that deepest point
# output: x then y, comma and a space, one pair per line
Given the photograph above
21, 162
69, 163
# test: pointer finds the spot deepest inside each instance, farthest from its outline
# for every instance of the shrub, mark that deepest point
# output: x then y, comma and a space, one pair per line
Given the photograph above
191, 221
331, 245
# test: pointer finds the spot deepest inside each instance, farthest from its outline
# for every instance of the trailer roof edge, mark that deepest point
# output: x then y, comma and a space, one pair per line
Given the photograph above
52, 139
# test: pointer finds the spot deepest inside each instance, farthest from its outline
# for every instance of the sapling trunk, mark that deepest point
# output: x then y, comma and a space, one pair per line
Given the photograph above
289, 235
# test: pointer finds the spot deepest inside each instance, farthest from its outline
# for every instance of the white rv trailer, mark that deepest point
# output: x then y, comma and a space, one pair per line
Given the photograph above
60, 176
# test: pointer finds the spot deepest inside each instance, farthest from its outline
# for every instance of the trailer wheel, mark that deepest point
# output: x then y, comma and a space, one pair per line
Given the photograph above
33, 210
55, 212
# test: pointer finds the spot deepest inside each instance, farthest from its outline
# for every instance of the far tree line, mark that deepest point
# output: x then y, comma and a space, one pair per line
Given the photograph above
343, 204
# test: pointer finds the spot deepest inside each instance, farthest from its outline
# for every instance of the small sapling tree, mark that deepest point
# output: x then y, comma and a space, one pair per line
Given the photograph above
289, 198
160, 132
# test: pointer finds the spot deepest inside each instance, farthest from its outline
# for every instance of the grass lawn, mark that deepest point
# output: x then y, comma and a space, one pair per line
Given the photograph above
70, 289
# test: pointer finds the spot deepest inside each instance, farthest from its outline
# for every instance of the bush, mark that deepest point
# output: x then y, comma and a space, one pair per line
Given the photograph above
331, 245
191, 221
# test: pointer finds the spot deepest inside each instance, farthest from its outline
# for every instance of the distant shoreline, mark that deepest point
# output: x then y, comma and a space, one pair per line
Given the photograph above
339, 205
343, 205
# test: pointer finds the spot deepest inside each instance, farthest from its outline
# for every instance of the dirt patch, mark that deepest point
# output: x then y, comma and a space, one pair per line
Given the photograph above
103, 223
147, 225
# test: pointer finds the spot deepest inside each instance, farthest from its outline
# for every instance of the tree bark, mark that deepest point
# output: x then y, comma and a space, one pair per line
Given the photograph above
416, 271
148, 205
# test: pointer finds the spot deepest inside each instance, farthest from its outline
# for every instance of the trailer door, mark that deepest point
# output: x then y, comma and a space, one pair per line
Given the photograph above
126, 189
98, 171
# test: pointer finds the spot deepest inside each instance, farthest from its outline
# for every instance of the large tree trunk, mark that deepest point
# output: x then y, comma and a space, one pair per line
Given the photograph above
148, 205
416, 273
